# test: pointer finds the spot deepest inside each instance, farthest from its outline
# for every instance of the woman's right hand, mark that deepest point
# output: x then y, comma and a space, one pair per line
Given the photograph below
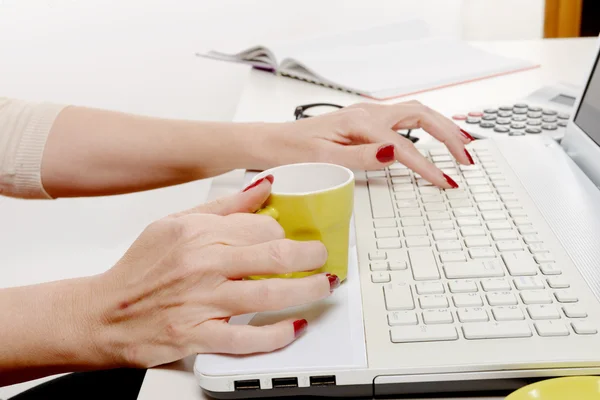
173, 292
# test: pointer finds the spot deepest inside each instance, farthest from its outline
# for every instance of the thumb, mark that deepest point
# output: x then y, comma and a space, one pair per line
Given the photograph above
247, 201
364, 156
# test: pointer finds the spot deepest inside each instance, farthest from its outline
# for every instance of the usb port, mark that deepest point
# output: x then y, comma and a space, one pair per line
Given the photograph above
325, 380
285, 383
249, 384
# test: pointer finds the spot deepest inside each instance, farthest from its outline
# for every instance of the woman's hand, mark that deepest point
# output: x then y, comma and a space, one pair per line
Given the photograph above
362, 136
173, 292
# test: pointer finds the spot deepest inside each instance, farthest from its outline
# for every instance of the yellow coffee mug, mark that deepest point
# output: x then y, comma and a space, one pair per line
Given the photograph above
566, 388
313, 201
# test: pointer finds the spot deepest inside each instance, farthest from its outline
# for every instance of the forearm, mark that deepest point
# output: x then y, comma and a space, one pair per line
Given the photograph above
96, 152
48, 329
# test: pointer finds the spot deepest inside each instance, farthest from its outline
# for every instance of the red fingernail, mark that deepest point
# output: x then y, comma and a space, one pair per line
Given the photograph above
299, 327
334, 281
450, 181
469, 157
385, 154
466, 134
259, 181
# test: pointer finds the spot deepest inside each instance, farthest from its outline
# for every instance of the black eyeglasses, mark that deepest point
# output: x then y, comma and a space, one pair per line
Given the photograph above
315, 109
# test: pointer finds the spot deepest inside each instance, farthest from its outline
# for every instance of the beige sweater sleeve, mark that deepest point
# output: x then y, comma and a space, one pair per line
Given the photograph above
24, 129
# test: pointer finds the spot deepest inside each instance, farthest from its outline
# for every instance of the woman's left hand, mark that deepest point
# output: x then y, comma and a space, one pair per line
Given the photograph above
363, 137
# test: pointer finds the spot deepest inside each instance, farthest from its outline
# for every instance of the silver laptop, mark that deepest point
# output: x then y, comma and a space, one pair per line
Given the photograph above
486, 287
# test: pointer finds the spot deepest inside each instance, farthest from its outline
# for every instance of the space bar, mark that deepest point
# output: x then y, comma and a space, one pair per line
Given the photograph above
381, 201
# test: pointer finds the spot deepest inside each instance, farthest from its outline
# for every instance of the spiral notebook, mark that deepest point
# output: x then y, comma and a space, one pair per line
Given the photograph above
380, 63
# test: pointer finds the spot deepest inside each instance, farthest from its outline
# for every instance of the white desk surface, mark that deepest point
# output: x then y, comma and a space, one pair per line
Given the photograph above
265, 98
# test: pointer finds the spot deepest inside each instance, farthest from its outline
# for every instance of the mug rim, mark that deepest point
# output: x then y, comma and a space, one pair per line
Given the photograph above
266, 172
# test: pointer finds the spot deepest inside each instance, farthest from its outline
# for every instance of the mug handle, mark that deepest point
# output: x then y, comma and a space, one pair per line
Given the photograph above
270, 211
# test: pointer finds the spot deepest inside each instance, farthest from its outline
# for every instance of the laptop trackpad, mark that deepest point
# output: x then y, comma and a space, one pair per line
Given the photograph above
334, 338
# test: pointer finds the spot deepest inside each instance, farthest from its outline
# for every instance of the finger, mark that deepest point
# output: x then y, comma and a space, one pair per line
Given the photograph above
361, 156
221, 337
247, 201
275, 257
243, 297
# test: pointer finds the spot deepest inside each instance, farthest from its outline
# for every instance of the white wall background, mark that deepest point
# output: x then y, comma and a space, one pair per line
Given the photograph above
83, 50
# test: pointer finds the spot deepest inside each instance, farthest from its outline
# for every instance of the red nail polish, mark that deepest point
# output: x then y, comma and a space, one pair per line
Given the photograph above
466, 134
469, 157
270, 178
385, 154
299, 327
254, 184
334, 281
450, 181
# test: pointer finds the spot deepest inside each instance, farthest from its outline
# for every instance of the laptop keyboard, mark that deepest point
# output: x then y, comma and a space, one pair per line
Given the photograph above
480, 270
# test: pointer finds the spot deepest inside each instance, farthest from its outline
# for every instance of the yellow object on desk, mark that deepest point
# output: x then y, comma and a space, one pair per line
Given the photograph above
313, 201
567, 388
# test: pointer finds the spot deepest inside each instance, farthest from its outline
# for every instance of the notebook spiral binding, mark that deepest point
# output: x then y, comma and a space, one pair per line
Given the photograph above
318, 83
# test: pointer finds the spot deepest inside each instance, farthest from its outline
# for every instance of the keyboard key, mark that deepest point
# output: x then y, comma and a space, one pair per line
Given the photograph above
460, 203
398, 318
574, 311
427, 333
584, 327
482, 252
476, 181
376, 174
441, 225
380, 277
474, 167
557, 282
565, 296
412, 221
415, 231
495, 285
474, 174
389, 243
472, 315
441, 158
464, 212
462, 286
550, 269
490, 206
418, 242
438, 215
435, 207
519, 212
509, 245
499, 225
504, 235
408, 195
519, 263
377, 255
474, 269
484, 197
432, 198
551, 328
379, 266
430, 288
477, 242
521, 221
381, 202
423, 182
523, 230
399, 172
472, 231
398, 265
456, 194
441, 316
543, 311
504, 190
532, 238
448, 245
401, 179
513, 206
447, 234
409, 212
468, 222
501, 299
528, 283
467, 300
424, 266
398, 296
537, 248
411, 203
493, 215
446, 164
384, 223
496, 330
404, 187
435, 301
386, 233
544, 258
536, 297
452, 256
508, 313
481, 189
